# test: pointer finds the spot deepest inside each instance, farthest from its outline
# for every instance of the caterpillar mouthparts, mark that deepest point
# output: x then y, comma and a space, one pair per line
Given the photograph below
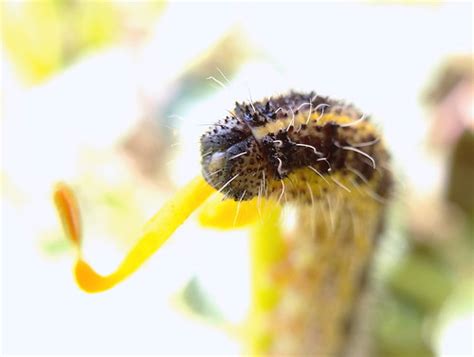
292, 145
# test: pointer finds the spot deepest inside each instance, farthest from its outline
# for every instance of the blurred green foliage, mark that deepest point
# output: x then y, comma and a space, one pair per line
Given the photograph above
198, 303
41, 37
422, 280
460, 186
431, 273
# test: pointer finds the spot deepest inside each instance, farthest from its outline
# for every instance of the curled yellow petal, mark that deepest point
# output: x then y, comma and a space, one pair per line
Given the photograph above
156, 232
228, 214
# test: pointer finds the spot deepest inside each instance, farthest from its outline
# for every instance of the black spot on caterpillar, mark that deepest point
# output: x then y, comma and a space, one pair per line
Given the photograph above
290, 144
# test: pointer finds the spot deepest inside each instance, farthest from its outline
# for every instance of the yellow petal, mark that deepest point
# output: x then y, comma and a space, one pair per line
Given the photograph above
268, 250
228, 214
156, 232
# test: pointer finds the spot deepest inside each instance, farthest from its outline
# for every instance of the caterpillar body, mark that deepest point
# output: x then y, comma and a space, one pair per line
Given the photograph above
326, 159
279, 146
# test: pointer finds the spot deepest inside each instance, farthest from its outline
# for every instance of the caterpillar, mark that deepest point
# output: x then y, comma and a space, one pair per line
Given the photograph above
327, 160
283, 144
319, 155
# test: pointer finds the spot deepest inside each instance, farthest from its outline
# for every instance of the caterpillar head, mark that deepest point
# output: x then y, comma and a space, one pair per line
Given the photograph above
232, 161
